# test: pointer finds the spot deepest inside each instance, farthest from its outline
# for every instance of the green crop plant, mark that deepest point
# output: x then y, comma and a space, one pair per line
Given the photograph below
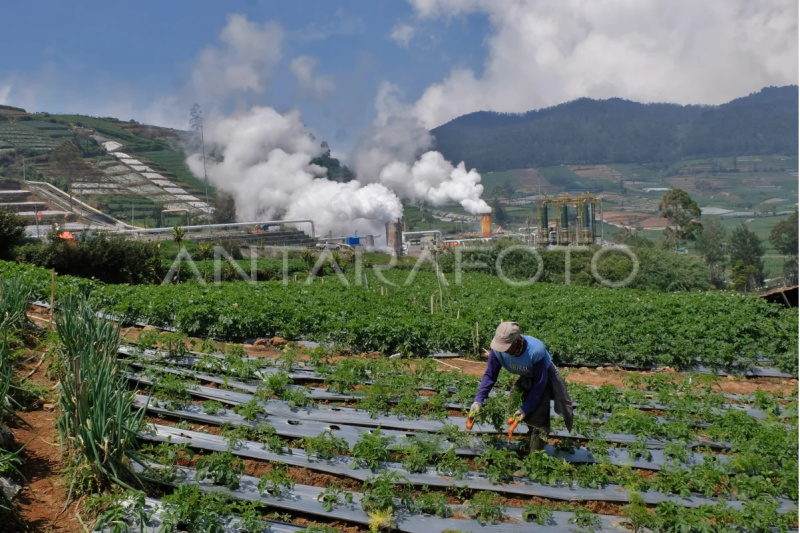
249, 515
371, 449
148, 339
347, 375
123, 512
598, 448
585, 520
172, 390
633, 421
545, 469
274, 480
174, 343
487, 507
498, 465
238, 365
15, 293
325, 445
287, 358
410, 405
213, 407
378, 399
639, 449
435, 408
677, 451
331, 497
432, 503
236, 435
638, 516
672, 479
97, 422
381, 491
456, 437
536, 512
187, 509
273, 385
323, 528
451, 465
166, 453
421, 452
296, 397
223, 468
263, 433
250, 410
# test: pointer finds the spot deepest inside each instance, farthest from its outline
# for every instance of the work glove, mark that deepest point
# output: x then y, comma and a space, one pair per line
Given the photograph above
475, 409
518, 416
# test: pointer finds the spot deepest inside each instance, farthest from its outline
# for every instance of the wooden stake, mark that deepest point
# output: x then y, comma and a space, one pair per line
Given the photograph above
431, 303
52, 293
458, 313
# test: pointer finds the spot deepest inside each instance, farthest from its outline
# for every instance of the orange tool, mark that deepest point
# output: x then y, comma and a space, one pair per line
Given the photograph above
512, 425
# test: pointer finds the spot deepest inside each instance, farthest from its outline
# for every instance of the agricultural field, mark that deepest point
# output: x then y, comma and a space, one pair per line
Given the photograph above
423, 315
174, 163
196, 434
22, 136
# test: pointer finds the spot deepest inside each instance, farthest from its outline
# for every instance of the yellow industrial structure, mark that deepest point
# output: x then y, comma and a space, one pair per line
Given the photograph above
575, 220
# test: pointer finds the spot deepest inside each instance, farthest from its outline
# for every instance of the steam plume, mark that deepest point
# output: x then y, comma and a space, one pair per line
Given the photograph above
266, 165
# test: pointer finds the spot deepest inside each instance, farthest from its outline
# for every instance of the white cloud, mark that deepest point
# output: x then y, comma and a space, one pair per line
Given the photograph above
402, 34
303, 69
683, 51
243, 61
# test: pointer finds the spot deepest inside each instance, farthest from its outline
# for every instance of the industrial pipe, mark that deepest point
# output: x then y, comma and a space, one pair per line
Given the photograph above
228, 225
429, 232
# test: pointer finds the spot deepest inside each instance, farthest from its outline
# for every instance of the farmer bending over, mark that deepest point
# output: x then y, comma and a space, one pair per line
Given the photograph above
539, 381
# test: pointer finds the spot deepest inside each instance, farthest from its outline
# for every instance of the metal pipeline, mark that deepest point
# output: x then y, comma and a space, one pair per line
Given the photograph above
212, 226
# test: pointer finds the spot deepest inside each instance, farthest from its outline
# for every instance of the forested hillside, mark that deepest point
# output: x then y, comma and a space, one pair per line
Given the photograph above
621, 131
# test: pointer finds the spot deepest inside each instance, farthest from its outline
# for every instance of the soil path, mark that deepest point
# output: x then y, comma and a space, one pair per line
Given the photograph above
42, 499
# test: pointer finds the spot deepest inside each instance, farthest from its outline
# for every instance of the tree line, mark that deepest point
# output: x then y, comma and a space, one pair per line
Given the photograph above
587, 131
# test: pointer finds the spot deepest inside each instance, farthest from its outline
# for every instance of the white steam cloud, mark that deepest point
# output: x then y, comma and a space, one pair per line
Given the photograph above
683, 51
437, 181
394, 152
266, 164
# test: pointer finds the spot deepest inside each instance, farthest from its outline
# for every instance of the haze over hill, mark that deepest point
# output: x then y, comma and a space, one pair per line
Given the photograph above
622, 131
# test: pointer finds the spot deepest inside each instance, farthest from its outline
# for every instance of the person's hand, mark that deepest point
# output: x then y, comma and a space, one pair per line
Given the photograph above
475, 409
518, 416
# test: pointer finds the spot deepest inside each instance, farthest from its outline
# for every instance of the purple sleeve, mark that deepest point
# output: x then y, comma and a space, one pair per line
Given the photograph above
539, 385
489, 378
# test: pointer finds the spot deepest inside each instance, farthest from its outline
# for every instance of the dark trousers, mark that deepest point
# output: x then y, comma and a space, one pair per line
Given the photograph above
538, 420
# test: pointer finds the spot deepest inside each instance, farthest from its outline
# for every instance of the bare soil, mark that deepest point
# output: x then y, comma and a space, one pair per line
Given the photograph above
44, 496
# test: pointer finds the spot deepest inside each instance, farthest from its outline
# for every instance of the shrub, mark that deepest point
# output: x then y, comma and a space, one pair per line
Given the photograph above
12, 232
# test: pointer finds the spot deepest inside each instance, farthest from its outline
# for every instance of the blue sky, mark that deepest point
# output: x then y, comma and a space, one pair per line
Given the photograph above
141, 60
98, 57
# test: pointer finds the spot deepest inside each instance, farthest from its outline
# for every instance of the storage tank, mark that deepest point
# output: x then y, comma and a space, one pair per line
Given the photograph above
486, 225
543, 223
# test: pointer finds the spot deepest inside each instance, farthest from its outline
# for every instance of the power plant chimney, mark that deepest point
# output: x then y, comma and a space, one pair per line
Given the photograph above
394, 236
486, 225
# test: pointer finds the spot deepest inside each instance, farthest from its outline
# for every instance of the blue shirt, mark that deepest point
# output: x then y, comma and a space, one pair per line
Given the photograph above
532, 362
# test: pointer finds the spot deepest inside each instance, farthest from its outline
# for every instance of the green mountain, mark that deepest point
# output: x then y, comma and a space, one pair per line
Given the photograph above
622, 131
